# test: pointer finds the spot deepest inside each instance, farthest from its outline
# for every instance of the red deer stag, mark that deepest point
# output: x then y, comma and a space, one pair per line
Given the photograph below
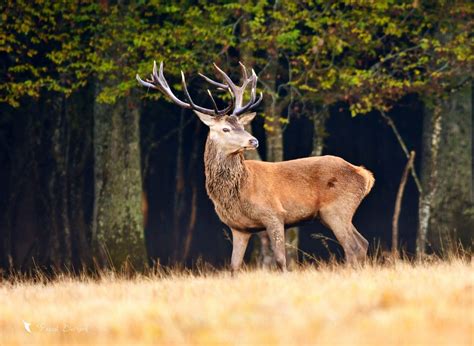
251, 196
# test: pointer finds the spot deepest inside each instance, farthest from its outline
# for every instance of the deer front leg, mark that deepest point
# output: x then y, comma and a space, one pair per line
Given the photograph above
239, 245
364, 244
266, 255
276, 233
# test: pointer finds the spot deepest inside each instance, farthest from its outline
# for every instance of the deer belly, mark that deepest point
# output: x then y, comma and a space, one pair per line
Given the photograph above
298, 212
235, 218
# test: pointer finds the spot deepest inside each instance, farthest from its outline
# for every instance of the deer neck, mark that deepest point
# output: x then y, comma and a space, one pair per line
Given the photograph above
225, 175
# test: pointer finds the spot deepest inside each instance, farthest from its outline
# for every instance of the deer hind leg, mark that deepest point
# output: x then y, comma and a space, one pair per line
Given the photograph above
239, 245
343, 229
276, 233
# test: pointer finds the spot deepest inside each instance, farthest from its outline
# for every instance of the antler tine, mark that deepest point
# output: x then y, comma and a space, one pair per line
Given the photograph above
148, 82
256, 103
244, 70
158, 81
237, 91
254, 84
221, 86
190, 100
160, 77
252, 79
216, 110
154, 72
145, 83
230, 83
251, 104
254, 92
213, 82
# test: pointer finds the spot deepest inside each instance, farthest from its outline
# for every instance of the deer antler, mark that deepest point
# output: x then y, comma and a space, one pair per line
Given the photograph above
239, 91
158, 81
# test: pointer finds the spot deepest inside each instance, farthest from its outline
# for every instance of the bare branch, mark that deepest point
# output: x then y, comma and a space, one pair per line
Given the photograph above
404, 148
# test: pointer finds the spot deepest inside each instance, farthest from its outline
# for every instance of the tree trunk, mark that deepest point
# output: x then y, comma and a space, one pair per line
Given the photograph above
451, 207
18, 228
431, 142
79, 109
179, 195
193, 209
319, 134
59, 195
117, 229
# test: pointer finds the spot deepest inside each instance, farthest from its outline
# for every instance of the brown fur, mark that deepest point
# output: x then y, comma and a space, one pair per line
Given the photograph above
290, 191
253, 195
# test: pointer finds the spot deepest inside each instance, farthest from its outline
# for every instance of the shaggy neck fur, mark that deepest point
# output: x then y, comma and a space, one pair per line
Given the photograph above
225, 176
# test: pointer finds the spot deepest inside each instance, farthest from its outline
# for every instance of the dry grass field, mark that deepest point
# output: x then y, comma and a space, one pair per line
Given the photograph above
400, 303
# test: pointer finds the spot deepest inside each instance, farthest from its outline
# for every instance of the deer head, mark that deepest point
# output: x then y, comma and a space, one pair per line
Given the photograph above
226, 125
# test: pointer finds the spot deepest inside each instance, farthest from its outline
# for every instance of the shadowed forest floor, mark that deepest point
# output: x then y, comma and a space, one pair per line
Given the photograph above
403, 303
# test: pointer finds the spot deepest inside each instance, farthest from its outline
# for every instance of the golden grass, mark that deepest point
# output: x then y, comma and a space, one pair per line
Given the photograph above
396, 304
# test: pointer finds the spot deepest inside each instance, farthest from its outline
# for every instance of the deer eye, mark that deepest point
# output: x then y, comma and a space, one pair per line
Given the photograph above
225, 129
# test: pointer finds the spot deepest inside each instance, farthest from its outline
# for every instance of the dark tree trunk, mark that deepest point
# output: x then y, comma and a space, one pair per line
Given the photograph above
18, 197
179, 195
451, 206
79, 109
193, 213
117, 228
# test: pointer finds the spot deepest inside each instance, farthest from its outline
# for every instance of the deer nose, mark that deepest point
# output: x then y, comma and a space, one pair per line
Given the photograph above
253, 142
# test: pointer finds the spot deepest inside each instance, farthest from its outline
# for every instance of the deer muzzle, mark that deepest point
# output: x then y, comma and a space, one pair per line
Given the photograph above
253, 143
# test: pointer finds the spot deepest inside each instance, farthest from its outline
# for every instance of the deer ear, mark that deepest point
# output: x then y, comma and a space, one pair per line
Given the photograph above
209, 120
247, 118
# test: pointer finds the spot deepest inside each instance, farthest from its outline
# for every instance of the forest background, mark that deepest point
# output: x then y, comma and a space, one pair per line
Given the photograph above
97, 171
